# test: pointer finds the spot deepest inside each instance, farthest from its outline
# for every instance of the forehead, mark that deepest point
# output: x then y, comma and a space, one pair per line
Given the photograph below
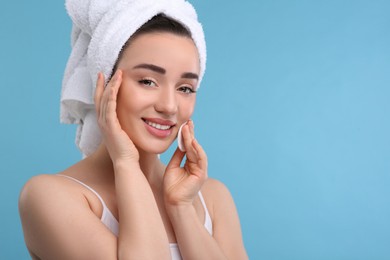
164, 49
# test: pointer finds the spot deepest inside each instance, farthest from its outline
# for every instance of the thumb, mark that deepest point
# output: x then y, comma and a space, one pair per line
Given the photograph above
176, 159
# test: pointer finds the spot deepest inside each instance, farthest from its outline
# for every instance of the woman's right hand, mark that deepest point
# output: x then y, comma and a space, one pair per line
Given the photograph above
117, 142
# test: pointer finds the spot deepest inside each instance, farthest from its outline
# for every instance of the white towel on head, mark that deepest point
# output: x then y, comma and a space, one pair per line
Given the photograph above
100, 29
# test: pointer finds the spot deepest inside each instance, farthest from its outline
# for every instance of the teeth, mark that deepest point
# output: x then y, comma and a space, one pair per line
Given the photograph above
158, 126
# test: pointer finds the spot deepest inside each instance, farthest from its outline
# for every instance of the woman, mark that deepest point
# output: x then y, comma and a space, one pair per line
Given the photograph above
121, 202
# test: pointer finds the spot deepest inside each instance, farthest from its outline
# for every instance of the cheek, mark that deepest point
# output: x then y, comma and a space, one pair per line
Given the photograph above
122, 102
130, 99
127, 104
187, 109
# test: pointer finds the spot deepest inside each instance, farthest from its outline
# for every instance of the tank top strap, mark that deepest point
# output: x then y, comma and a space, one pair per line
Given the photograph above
111, 222
208, 224
86, 186
107, 217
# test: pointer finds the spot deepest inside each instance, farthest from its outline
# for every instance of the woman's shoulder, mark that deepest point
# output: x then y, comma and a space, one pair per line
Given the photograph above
216, 193
40, 184
43, 190
57, 216
213, 187
47, 192
46, 187
44, 183
42, 179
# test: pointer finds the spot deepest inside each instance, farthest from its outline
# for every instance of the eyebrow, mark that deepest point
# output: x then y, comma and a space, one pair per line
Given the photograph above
150, 67
189, 75
185, 75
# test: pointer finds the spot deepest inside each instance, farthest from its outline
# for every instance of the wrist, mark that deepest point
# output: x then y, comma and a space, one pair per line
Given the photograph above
121, 165
180, 210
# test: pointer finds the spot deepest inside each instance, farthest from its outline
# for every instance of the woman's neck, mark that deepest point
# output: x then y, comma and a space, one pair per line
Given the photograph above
150, 164
152, 168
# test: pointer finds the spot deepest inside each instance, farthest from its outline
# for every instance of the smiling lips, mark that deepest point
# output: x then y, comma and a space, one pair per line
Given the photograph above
159, 127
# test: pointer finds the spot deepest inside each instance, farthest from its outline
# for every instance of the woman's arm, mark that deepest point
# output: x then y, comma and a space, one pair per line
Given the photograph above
141, 231
58, 222
181, 188
57, 218
195, 241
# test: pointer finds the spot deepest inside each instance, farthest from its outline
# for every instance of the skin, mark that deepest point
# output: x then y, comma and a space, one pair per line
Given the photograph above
155, 204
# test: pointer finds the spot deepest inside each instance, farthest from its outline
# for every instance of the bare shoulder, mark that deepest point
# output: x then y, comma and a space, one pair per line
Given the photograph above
38, 188
215, 190
216, 195
226, 223
34, 200
57, 221
43, 197
43, 188
41, 180
46, 195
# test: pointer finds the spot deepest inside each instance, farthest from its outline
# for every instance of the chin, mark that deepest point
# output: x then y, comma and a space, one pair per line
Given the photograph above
155, 147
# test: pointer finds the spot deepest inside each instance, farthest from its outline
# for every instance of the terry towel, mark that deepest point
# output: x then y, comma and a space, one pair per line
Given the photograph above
100, 29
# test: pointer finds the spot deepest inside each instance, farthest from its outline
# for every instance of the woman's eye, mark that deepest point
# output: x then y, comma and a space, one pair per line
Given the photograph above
147, 82
186, 90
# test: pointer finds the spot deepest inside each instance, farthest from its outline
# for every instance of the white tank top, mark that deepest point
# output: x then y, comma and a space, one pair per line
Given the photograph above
112, 223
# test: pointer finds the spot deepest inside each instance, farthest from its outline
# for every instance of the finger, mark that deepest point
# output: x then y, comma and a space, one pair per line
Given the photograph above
192, 127
108, 92
111, 115
103, 101
202, 157
176, 159
188, 138
102, 115
98, 92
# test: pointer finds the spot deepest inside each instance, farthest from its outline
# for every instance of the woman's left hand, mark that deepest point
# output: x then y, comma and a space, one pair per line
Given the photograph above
182, 184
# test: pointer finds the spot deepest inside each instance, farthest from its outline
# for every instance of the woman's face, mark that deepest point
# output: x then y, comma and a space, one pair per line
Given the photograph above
160, 75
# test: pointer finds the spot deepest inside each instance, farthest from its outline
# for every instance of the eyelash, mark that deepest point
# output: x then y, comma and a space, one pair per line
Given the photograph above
186, 90
147, 82
183, 89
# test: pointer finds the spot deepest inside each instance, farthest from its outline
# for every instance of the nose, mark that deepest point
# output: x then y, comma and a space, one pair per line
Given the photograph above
167, 102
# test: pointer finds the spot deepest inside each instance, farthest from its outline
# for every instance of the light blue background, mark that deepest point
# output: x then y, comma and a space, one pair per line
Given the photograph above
294, 114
